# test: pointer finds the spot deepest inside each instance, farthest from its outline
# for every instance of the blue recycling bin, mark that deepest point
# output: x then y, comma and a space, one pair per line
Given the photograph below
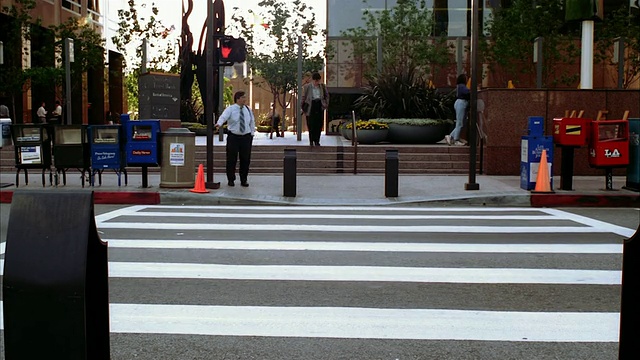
633, 169
107, 152
531, 154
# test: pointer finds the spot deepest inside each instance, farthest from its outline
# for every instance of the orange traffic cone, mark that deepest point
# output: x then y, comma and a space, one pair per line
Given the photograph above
199, 186
543, 181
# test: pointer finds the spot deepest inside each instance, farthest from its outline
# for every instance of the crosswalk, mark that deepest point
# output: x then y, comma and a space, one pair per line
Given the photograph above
403, 273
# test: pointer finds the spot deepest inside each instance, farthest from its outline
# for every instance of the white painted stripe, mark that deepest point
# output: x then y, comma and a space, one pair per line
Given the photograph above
361, 273
129, 210
294, 209
352, 228
364, 323
366, 246
620, 230
344, 216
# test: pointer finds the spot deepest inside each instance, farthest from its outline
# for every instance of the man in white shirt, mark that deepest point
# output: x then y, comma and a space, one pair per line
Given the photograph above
41, 115
57, 113
241, 125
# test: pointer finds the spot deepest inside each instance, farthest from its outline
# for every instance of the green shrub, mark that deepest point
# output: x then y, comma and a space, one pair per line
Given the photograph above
367, 125
416, 122
404, 92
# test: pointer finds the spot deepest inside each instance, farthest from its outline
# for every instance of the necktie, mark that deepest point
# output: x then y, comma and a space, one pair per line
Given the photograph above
242, 127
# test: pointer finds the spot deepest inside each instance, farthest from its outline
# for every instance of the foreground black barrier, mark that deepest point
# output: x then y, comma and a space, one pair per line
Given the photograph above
629, 304
55, 288
290, 169
391, 169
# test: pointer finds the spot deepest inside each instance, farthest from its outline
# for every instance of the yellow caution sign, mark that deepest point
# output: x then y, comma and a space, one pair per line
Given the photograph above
573, 129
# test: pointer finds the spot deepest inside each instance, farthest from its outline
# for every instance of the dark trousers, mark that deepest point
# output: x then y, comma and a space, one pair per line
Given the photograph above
238, 145
314, 122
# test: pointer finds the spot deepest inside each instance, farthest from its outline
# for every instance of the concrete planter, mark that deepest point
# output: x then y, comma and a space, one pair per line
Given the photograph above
413, 134
372, 136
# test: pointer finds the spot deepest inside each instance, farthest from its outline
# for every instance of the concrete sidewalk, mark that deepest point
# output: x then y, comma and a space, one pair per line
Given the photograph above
343, 189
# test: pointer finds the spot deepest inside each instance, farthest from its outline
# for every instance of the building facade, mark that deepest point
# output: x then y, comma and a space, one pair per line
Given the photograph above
101, 89
345, 73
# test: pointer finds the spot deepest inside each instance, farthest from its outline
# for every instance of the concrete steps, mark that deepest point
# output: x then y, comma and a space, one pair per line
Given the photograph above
268, 159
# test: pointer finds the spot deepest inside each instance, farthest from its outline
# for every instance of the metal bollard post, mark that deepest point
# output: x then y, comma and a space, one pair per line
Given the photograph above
289, 177
629, 298
391, 173
566, 168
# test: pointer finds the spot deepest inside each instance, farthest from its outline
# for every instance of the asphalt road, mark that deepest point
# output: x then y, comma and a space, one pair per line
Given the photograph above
362, 283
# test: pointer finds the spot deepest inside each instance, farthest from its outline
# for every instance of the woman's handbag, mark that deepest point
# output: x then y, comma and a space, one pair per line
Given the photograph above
305, 107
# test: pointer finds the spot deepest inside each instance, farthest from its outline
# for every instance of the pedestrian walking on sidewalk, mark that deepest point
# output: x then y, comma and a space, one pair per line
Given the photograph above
315, 100
241, 126
461, 105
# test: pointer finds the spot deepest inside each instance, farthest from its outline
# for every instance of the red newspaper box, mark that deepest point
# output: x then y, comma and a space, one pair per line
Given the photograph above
571, 131
609, 145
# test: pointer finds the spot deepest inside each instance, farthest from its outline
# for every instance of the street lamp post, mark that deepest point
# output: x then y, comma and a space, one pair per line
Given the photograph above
537, 59
68, 59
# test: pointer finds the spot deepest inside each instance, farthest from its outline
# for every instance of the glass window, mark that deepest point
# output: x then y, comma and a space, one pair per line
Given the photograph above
105, 136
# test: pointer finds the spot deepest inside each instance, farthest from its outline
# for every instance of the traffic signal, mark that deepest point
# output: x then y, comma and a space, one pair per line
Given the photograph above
232, 50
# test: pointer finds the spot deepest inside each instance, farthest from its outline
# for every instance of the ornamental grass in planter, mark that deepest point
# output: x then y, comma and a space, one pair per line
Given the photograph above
416, 112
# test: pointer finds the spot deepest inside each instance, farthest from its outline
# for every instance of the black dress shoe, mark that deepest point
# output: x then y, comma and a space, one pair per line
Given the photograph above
231, 183
245, 184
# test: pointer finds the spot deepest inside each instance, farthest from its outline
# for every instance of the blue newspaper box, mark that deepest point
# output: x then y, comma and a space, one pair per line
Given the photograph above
142, 142
530, 156
106, 148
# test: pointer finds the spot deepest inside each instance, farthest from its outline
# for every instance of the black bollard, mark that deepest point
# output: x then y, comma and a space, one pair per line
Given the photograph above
566, 168
391, 173
628, 348
55, 288
289, 178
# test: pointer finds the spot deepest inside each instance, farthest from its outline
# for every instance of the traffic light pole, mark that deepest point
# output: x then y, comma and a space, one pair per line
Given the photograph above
215, 29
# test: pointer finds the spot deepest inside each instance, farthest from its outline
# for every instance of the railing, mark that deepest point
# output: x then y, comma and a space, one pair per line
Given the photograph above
354, 142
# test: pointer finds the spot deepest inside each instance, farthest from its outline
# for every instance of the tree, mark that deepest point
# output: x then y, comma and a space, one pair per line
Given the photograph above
14, 80
275, 57
512, 32
620, 23
408, 37
134, 27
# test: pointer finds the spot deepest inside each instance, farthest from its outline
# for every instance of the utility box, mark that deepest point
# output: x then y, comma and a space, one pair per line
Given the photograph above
142, 142
178, 158
571, 131
609, 144
530, 157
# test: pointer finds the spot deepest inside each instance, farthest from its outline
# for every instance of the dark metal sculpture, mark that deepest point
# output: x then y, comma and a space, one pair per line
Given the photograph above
189, 58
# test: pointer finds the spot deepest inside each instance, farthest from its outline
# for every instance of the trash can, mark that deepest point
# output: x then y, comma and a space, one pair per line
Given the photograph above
177, 166
5, 128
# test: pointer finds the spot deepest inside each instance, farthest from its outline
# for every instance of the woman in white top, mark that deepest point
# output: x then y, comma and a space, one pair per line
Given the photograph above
241, 126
